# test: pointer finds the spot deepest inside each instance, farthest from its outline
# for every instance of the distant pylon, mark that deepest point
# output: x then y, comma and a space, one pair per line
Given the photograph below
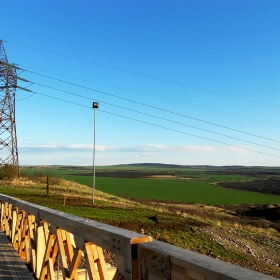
8, 136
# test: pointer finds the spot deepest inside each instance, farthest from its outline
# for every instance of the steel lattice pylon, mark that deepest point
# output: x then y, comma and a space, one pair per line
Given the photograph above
8, 136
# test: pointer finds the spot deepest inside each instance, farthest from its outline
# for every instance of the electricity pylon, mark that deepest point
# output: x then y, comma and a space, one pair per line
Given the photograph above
8, 136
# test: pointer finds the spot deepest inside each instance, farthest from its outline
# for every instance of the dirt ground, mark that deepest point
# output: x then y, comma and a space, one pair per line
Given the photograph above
269, 186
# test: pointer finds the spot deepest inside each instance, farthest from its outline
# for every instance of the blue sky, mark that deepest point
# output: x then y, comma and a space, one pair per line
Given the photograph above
179, 82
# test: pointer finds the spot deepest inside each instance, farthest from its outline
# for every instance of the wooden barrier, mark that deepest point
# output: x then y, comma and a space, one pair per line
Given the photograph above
160, 261
57, 245
44, 237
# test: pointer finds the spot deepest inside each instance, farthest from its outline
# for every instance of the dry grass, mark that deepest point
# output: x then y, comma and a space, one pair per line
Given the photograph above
66, 188
216, 216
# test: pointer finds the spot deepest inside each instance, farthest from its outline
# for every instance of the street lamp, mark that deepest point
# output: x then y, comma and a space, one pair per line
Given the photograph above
95, 106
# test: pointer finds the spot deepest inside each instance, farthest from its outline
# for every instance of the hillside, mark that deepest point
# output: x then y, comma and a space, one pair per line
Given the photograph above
211, 230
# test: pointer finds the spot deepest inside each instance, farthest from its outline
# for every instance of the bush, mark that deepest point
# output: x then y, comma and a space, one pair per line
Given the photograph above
8, 172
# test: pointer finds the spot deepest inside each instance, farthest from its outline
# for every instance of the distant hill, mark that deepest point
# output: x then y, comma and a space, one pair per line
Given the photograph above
163, 165
209, 169
153, 165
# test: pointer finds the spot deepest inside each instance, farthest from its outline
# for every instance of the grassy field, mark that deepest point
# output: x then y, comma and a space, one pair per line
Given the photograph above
189, 185
210, 230
181, 190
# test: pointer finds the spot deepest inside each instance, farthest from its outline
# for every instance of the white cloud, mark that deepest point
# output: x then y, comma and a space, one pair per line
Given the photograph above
81, 154
144, 148
238, 150
149, 149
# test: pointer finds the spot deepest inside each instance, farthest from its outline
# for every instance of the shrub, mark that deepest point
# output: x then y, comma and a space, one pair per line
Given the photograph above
8, 172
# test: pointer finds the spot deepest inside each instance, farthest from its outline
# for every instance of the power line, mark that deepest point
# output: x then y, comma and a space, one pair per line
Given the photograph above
60, 99
168, 120
171, 129
26, 97
159, 126
150, 106
154, 96
146, 76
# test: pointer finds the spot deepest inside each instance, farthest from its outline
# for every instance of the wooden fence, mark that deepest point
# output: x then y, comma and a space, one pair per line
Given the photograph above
57, 245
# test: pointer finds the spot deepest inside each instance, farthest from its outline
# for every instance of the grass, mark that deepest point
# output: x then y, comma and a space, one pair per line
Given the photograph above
186, 231
201, 189
181, 190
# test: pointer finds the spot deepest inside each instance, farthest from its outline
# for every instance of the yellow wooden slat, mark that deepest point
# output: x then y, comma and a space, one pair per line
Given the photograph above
2, 215
68, 246
90, 261
46, 231
51, 274
31, 230
75, 264
40, 250
65, 269
14, 221
9, 224
17, 236
7, 218
48, 252
24, 237
27, 249
103, 273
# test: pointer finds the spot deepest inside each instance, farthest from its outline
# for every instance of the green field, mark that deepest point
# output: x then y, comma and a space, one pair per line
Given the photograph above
180, 189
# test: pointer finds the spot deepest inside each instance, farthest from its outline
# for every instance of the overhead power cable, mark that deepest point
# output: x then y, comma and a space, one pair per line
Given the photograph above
26, 97
157, 97
164, 119
159, 126
150, 106
145, 75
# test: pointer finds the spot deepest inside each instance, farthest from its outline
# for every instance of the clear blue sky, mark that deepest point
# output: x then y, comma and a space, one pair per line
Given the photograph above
171, 77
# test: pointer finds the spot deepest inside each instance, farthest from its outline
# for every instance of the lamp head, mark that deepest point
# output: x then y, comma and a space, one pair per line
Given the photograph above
95, 105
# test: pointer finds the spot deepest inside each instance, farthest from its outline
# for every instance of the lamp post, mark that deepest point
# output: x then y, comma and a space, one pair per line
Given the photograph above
95, 106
